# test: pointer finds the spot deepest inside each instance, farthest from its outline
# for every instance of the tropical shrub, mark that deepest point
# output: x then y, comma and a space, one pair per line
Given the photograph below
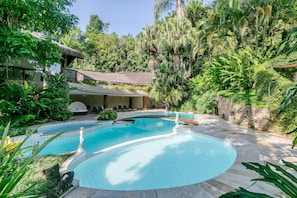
203, 95
14, 165
56, 91
277, 175
15, 104
107, 114
169, 85
234, 71
287, 112
272, 88
23, 105
45, 187
267, 80
207, 102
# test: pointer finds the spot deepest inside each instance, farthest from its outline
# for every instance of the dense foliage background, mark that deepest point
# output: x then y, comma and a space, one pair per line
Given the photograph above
229, 47
201, 50
24, 104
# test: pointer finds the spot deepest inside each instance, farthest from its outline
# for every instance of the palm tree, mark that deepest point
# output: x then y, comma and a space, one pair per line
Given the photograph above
177, 38
168, 85
233, 19
147, 41
166, 5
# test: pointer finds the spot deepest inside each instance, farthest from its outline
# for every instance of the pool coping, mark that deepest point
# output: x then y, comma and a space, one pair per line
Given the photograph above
250, 145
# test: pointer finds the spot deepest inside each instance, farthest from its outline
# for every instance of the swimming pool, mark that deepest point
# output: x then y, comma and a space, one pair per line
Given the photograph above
165, 161
108, 135
66, 126
172, 161
186, 115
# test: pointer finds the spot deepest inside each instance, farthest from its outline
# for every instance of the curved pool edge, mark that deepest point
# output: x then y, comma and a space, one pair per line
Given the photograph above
73, 161
46, 129
81, 156
236, 176
39, 137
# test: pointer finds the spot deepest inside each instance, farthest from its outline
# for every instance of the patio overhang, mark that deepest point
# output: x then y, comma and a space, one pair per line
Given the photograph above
84, 89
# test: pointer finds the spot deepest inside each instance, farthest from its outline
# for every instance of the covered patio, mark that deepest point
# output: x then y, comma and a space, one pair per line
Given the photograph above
99, 90
95, 97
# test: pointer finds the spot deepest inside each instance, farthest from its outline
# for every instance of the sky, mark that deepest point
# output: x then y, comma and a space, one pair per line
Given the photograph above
124, 16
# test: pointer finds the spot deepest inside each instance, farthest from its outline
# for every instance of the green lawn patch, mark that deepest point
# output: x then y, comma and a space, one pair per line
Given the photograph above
44, 187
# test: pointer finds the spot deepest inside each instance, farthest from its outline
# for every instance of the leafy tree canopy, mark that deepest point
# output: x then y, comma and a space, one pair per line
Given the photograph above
96, 25
17, 18
105, 52
51, 16
162, 6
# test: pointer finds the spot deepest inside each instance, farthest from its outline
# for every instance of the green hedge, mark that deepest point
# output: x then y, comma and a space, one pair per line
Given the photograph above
265, 77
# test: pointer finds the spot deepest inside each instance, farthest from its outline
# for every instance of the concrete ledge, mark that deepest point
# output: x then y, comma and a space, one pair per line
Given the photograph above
247, 116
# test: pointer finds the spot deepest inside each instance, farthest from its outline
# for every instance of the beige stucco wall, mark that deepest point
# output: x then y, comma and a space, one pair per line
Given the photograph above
137, 102
115, 101
88, 100
247, 116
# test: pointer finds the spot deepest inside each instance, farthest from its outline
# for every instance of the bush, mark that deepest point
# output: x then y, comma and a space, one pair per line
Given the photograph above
268, 79
206, 103
24, 105
282, 179
14, 166
108, 114
45, 187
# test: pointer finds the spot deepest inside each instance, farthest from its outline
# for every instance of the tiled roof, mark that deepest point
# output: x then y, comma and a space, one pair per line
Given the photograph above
64, 49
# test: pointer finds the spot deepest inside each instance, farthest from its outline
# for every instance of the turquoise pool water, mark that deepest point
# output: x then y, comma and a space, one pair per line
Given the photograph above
186, 115
67, 126
163, 162
173, 161
102, 137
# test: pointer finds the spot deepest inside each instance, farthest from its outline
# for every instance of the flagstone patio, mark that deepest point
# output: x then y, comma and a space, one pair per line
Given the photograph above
251, 146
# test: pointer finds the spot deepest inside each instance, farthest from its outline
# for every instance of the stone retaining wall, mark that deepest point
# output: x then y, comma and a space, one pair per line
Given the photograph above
252, 117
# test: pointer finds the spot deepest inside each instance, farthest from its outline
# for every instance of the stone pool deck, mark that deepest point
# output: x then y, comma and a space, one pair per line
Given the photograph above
251, 146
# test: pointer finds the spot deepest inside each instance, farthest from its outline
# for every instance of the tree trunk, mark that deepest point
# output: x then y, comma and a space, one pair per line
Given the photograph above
180, 9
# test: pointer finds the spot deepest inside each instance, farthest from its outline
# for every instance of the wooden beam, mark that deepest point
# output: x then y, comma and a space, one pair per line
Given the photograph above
287, 66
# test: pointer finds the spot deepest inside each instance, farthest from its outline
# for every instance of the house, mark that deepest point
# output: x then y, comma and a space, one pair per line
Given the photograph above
110, 90
23, 69
105, 93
